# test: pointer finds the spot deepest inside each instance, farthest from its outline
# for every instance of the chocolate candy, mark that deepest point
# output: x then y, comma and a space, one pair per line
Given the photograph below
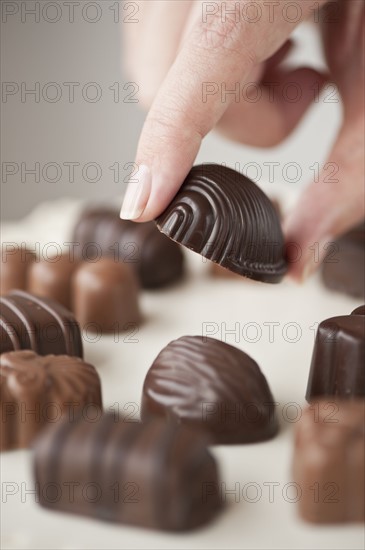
151, 475
51, 278
29, 322
226, 218
359, 311
328, 463
15, 264
105, 296
212, 387
338, 359
344, 267
156, 260
36, 390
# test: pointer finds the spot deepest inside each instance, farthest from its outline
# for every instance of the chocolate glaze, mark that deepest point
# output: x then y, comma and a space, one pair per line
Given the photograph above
328, 463
338, 359
105, 296
14, 270
212, 387
38, 389
344, 267
226, 218
156, 260
151, 475
29, 322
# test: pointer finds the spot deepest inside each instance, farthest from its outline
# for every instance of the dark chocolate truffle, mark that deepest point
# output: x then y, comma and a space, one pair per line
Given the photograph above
212, 387
344, 267
105, 296
226, 218
338, 359
40, 324
14, 270
37, 390
151, 475
156, 260
52, 279
328, 463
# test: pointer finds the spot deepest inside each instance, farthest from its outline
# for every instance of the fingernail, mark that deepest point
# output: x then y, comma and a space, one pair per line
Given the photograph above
320, 250
137, 194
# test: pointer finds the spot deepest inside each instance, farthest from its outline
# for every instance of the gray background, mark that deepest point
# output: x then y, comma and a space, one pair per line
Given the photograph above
106, 132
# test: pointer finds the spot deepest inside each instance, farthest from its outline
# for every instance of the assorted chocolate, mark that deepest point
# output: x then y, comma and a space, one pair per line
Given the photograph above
37, 390
337, 367
151, 475
343, 268
156, 260
39, 324
226, 218
212, 387
328, 463
102, 294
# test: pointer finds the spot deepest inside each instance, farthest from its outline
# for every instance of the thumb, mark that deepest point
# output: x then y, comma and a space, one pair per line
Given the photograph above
330, 206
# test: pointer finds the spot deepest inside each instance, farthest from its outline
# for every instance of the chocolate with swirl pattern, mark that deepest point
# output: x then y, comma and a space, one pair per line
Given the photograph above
150, 475
40, 324
226, 218
212, 387
36, 390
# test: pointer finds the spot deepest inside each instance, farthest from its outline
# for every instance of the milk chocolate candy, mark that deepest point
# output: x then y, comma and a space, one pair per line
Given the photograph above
344, 266
338, 359
15, 263
149, 475
156, 260
36, 390
328, 463
359, 311
211, 387
105, 296
226, 218
29, 322
51, 278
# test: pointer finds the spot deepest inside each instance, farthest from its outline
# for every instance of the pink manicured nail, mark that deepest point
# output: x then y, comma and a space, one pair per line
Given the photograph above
137, 194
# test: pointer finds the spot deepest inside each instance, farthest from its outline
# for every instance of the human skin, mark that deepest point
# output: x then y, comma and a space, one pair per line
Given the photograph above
179, 45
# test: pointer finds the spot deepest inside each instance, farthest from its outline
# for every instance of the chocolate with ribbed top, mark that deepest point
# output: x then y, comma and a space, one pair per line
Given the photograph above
212, 387
328, 463
40, 324
226, 218
156, 260
337, 367
151, 475
36, 390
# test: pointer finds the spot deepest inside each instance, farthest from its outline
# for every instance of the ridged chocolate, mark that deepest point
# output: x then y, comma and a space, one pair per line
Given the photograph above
328, 462
343, 268
150, 475
226, 218
212, 387
337, 367
37, 390
156, 260
29, 322
15, 265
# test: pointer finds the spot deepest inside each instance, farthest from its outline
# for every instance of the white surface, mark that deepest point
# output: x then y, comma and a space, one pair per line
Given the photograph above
122, 365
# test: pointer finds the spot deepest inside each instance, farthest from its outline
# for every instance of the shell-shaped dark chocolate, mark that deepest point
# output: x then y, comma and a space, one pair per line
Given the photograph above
226, 218
213, 387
